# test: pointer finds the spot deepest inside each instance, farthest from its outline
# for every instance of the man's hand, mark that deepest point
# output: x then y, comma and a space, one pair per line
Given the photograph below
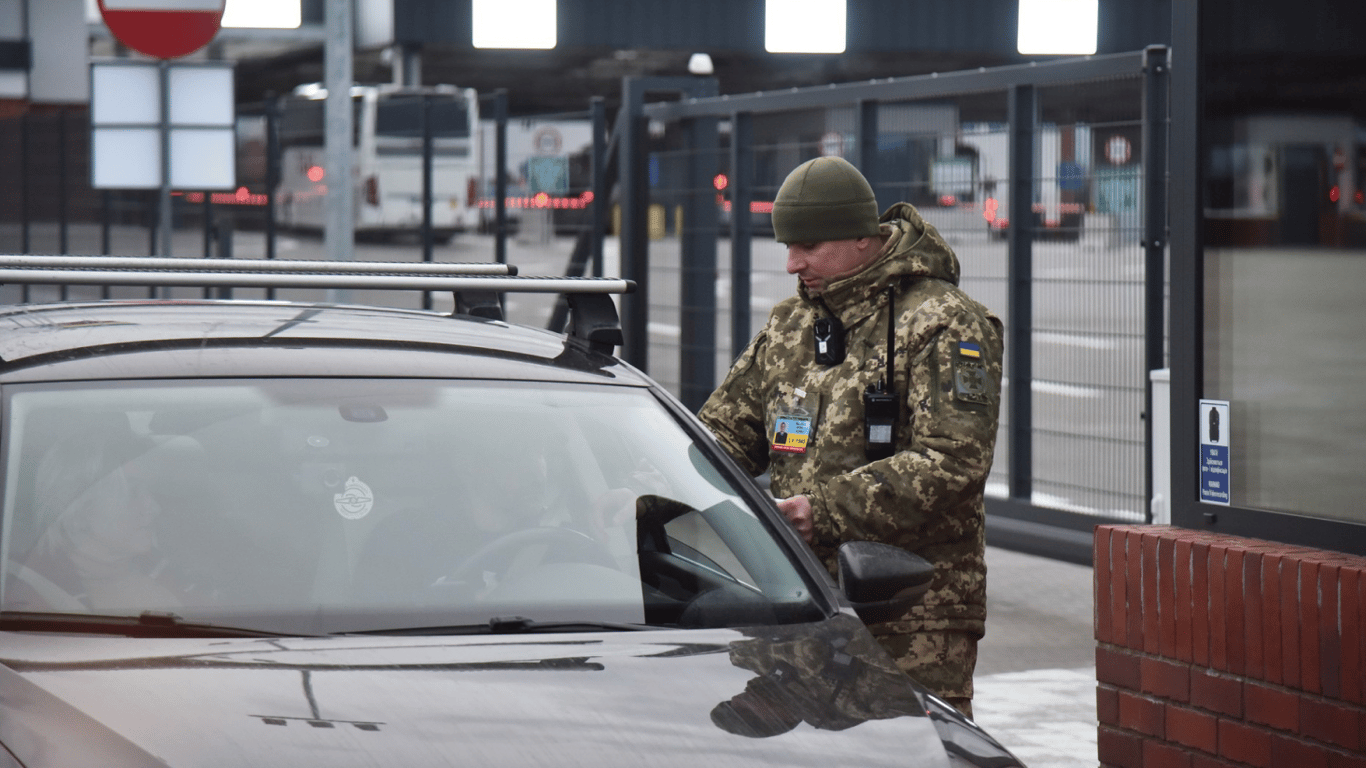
797, 510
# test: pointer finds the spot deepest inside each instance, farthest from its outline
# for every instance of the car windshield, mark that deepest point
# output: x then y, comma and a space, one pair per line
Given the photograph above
340, 505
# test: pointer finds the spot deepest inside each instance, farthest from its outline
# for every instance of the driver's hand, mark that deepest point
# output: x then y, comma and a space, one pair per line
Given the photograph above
797, 510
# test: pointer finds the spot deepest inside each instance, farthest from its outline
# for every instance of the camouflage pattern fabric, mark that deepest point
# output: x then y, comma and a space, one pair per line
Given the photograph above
927, 496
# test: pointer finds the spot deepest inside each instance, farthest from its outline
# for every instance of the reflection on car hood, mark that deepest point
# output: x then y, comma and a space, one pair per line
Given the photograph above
812, 694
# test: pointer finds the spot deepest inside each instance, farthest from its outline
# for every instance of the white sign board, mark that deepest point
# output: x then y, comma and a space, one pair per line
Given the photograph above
128, 100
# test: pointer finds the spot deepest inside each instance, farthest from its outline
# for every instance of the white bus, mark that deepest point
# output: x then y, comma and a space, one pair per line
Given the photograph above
388, 158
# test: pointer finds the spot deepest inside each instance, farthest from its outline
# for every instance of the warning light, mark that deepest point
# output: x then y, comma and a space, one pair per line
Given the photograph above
948, 201
541, 200
587, 196
989, 209
1360, 197
1334, 193
243, 194
720, 182
316, 173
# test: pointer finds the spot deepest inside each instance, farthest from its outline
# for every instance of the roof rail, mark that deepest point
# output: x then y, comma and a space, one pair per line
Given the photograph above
254, 265
595, 319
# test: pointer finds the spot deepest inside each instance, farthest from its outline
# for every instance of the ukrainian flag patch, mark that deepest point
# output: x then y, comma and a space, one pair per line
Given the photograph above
968, 349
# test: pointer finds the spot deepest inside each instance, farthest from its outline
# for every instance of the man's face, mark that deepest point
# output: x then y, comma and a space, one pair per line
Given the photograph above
820, 264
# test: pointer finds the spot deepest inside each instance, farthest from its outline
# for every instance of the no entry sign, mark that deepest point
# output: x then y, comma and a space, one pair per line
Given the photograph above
163, 29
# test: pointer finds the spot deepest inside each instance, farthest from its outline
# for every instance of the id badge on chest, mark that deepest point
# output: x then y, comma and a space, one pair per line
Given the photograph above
791, 427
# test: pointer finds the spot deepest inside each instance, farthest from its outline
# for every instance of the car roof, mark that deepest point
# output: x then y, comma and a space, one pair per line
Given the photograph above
156, 339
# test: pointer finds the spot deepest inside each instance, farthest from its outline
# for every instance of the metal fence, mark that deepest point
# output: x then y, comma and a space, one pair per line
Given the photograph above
1047, 180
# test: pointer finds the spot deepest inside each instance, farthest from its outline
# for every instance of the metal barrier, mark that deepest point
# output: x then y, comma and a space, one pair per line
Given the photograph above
1049, 182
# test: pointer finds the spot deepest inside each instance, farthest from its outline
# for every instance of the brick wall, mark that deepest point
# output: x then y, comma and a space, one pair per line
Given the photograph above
1223, 652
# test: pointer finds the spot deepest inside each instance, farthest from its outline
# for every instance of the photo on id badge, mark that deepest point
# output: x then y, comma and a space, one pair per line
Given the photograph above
790, 433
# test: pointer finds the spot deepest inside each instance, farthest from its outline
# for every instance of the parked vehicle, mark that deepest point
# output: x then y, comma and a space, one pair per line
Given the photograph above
388, 139
246, 533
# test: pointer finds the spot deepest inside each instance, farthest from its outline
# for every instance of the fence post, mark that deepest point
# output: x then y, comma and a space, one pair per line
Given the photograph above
865, 145
602, 197
1023, 119
1154, 140
741, 228
697, 267
635, 258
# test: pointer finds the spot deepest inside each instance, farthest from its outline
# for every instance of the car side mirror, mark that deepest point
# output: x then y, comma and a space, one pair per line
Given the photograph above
880, 580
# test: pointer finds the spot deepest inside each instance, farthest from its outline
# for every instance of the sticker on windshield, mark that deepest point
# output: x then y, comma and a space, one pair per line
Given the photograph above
355, 501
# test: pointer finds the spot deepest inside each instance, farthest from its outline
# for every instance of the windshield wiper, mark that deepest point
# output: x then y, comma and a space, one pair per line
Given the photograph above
511, 625
145, 624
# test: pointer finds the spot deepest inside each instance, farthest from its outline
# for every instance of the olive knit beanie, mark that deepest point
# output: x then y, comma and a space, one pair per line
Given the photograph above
824, 199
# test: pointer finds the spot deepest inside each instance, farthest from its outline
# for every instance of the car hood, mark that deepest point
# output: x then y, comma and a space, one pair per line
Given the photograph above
811, 694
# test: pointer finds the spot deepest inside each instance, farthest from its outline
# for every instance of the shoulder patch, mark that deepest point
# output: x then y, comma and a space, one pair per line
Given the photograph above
970, 381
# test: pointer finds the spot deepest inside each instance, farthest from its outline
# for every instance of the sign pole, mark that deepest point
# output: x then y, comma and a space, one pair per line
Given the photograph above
164, 77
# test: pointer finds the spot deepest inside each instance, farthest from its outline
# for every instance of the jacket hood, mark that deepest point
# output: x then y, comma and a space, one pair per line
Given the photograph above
798, 695
913, 249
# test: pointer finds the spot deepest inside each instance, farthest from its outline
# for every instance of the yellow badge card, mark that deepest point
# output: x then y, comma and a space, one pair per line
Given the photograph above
791, 433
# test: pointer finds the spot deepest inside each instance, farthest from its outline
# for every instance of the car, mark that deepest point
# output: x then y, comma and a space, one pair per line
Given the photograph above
270, 533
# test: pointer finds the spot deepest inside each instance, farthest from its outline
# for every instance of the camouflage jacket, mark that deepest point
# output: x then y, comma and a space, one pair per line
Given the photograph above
927, 496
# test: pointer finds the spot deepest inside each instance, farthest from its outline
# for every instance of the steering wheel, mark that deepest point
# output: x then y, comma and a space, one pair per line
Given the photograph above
564, 543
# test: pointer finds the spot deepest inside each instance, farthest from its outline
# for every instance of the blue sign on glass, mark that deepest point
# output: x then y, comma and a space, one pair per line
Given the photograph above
1215, 486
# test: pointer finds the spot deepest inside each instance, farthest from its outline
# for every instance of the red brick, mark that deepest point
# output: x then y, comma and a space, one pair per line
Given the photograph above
1217, 692
1309, 627
1166, 598
1118, 668
1200, 603
1119, 586
1289, 751
1330, 723
1244, 743
1182, 604
1349, 581
1100, 569
1290, 623
1141, 713
1274, 707
1218, 625
1235, 625
1157, 754
1107, 705
1134, 588
1165, 679
1330, 638
1271, 618
1254, 665
1344, 760
1119, 748
1192, 728
1206, 761
1361, 629
1152, 625
1361, 626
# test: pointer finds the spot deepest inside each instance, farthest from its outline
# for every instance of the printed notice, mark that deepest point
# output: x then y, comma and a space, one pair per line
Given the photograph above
1214, 468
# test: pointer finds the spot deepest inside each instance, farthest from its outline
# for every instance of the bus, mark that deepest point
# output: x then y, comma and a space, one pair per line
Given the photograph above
387, 140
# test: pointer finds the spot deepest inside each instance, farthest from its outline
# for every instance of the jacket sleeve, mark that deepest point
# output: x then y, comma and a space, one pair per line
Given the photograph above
735, 410
930, 490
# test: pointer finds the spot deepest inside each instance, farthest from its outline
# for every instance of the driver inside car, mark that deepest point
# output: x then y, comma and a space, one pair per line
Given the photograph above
98, 549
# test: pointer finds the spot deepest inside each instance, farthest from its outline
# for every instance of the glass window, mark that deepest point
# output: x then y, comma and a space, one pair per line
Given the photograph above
339, 505
1285, 250
402, 117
